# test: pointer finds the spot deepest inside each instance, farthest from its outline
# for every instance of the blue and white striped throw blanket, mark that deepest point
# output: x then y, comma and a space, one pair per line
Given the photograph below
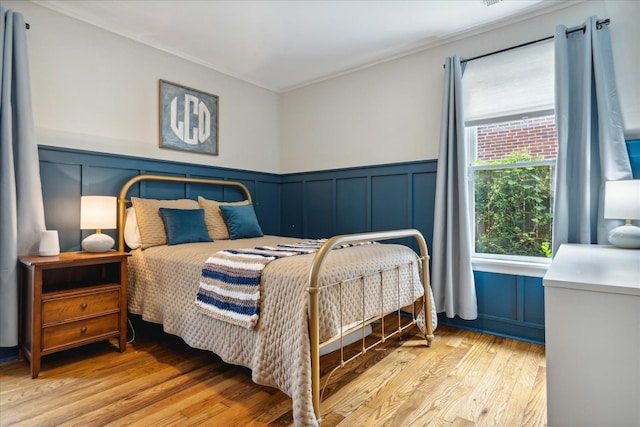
230, 281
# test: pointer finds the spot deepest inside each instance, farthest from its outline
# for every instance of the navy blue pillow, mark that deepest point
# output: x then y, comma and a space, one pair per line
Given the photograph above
184, 226
241, 221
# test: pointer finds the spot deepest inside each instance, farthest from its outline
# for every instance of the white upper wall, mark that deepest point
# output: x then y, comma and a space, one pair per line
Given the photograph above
391, 112
98, 91
94, 90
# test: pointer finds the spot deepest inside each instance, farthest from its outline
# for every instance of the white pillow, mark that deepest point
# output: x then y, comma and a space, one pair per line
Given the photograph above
131, 230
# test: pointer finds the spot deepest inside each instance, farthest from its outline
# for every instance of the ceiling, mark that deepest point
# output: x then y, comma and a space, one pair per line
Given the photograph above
280, 45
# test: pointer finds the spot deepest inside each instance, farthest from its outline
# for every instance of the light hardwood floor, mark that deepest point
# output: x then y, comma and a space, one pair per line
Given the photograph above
464, 379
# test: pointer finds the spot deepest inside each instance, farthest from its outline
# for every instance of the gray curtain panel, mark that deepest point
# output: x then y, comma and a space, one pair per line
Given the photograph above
21, 207
453, 285
591, 145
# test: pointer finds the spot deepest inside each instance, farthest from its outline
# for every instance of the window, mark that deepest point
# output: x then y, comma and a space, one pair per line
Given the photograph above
511, 138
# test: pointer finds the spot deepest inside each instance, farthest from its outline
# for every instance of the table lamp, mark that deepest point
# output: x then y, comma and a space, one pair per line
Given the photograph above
97, 213
622, 201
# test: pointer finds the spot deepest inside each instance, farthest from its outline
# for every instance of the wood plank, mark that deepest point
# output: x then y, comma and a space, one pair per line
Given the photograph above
168, 380
452, 395
242, 411
387, 400
233, 380
523, 388
484, 393
535, 412
157, 402
505, 384
432, 394
99, 382
271, 409
461, 422
465, 379
62, 370
165, 408
354, 393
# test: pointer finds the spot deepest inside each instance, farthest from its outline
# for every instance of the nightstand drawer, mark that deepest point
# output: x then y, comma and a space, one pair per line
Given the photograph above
67, 333
61, 309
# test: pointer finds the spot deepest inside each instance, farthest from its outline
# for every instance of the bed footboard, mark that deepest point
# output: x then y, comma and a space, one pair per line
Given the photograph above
314, 291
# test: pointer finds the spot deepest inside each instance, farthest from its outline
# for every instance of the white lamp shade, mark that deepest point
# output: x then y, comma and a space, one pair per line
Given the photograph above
97, 212
622, 199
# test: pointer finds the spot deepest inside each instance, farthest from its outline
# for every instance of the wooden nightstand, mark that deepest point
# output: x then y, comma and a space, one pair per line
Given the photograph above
70, 300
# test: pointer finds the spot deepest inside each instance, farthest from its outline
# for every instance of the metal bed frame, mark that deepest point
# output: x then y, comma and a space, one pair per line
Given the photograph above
314, 289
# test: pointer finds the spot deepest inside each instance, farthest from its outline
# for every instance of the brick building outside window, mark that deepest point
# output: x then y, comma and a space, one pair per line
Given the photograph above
537, 136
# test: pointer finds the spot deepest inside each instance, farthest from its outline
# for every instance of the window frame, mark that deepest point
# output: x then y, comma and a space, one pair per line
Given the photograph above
501, 263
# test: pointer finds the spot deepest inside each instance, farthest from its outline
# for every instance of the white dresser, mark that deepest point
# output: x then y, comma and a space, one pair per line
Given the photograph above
592, 327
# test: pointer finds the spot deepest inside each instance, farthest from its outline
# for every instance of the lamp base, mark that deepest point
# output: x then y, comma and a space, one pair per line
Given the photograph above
626, 237
98, 242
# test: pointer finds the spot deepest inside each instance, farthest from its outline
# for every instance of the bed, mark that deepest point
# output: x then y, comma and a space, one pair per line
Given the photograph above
306, 302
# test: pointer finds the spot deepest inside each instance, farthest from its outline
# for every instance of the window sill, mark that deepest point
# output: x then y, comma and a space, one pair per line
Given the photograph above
532, 268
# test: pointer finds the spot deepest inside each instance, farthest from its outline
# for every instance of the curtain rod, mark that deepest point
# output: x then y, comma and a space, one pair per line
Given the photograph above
599, 24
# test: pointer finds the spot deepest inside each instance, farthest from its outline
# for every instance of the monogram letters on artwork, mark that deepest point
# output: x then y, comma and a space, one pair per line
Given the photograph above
188, 119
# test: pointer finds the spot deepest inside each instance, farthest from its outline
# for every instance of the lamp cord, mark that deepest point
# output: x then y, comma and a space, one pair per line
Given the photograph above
133, 331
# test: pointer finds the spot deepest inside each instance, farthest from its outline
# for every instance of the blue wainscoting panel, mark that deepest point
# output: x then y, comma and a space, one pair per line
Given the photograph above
61, 190
291, 219
497, 295
8, 353
68, 174
389, 202
210, 192
267, 205
164, 190
233, 194
423, 204
319, 209
633, 147
352, 205
368, 198
533, 309
508, 305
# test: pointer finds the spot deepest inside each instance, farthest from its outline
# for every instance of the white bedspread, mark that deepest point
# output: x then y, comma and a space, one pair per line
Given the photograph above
164, 280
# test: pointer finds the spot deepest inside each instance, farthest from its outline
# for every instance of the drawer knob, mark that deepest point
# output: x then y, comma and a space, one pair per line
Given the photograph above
83, 330
83, 306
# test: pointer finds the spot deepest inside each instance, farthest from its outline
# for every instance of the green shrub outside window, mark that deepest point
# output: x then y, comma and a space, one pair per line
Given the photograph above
513, 207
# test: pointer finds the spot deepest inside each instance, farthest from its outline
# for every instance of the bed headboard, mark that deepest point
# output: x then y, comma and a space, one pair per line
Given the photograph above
122, 198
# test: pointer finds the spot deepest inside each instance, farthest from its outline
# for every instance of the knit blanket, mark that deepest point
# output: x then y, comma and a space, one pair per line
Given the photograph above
230, 280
